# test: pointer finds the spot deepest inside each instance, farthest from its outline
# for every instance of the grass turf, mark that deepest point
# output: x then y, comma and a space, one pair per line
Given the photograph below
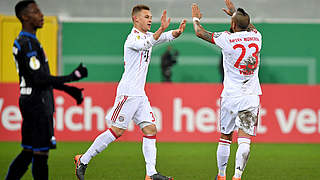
183, 161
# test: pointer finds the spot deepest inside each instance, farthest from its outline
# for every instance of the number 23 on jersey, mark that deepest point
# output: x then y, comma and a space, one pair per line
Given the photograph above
248, 66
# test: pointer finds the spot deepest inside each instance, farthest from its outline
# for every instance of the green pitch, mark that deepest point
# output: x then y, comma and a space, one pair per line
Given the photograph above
183, 161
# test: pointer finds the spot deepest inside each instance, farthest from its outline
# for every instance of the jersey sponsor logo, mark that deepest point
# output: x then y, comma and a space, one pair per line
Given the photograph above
34, 63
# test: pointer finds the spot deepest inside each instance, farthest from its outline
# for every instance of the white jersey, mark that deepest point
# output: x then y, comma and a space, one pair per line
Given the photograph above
137, 52
241, 60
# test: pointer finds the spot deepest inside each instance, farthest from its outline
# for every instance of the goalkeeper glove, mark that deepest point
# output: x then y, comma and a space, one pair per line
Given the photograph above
80, 72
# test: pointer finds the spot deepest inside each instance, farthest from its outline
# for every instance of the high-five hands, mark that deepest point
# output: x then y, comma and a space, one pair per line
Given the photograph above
196, 11
176, 33
164, 25
231, 9
164, 21
182, 25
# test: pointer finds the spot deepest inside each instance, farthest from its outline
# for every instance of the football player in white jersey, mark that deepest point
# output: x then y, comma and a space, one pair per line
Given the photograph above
131, 102
240, 96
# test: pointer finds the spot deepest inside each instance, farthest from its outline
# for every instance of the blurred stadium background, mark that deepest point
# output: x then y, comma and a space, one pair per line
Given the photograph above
94, 31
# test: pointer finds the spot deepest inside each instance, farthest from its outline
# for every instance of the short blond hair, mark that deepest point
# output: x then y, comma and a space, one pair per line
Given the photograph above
139, 8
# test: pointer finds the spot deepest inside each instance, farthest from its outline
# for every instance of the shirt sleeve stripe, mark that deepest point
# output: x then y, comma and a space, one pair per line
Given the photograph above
212, 40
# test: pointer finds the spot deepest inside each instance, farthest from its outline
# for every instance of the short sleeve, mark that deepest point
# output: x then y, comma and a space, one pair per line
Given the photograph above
220, 38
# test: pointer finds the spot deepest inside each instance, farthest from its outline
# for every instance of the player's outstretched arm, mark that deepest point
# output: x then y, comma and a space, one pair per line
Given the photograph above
43, 79
198, 29
159, 36
164, 25
176, 33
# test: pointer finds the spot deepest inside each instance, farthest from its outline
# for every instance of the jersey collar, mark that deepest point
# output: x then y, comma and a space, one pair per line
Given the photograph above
23, 33
135, 30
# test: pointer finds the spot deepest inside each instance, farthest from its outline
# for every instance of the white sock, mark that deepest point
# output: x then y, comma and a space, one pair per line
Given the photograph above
150, 152
223, 153
99, 144
242, 156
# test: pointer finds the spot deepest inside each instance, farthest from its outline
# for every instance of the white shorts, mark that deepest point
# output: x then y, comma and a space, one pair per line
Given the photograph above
239, 112
127, 108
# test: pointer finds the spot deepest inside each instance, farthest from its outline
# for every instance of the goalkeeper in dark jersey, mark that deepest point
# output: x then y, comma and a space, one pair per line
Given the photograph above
36, 100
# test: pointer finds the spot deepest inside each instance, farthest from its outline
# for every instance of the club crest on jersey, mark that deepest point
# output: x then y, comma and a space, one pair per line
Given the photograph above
138, 37
121, 118
34, 63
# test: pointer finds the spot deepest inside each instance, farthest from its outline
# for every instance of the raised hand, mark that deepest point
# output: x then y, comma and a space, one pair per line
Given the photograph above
80, 72
176, 33
182, 25
196, 11
231, 9
198, 29
164, 21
